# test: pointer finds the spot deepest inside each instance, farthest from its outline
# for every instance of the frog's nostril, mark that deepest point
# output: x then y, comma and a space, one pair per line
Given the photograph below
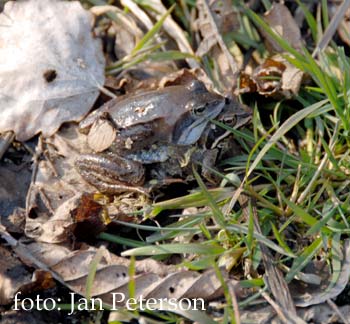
227, 100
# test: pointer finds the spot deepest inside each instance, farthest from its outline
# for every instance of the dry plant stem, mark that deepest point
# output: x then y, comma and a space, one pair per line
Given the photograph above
235, 304
275, 306
38, 152
337, 310
107, 92
264, 201
5, 141
233, 64
135, 9
332, 28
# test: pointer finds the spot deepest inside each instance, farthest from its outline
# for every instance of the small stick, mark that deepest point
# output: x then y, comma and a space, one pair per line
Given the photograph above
5, 141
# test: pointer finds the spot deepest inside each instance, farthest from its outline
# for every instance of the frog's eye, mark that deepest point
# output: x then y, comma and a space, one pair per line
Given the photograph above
229, 120
199, 110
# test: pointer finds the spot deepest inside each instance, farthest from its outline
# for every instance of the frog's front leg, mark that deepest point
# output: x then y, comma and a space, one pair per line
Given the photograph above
110, 173
208, 160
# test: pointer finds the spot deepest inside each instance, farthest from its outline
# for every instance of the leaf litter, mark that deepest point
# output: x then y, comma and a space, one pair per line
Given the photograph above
60, 205
51, 67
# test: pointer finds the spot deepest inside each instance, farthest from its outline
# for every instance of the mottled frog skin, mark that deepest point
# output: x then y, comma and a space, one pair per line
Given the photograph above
155, 127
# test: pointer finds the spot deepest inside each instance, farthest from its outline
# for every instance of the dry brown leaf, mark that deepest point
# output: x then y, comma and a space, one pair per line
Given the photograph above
282, 22
57, 187
275, 77
14, 184
53, 70
57, 192
212, 23
15, 277
152, 279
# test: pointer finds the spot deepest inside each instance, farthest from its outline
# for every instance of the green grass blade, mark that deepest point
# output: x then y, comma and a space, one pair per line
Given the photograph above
311, 21
203, 249
285, 127
196, 199
240, 229
92, 272
280, 239
217, 213
301, 261
171, 56
120, 240
150, 34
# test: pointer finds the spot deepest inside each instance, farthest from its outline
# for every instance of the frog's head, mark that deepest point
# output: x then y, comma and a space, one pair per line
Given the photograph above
233, 115
204, 106
201, 106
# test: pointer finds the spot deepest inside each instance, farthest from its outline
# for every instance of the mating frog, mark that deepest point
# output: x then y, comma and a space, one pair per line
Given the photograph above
154, 127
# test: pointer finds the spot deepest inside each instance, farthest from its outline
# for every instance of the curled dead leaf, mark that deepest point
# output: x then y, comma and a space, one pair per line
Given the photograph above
275, 77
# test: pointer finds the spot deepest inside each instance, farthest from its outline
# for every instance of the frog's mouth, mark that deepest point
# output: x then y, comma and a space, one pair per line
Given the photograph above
190, 128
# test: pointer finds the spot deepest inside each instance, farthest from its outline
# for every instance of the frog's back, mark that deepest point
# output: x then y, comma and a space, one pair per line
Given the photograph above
167, 104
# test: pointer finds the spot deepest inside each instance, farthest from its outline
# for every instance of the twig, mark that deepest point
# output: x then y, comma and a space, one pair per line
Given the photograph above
5, 141
337, 310
235, 304
332, 27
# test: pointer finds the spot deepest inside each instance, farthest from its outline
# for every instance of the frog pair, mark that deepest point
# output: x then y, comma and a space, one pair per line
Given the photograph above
167, 128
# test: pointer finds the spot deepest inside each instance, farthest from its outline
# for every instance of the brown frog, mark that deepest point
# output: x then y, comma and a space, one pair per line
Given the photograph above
154, 127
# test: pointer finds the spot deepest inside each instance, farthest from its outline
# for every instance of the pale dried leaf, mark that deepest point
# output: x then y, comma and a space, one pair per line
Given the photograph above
138, 12
318, 296
344, 26
50, 66
324, 314
101, 135
56, 228
292, 78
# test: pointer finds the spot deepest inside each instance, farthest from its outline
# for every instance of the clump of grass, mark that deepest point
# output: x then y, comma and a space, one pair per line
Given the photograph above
301, 194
